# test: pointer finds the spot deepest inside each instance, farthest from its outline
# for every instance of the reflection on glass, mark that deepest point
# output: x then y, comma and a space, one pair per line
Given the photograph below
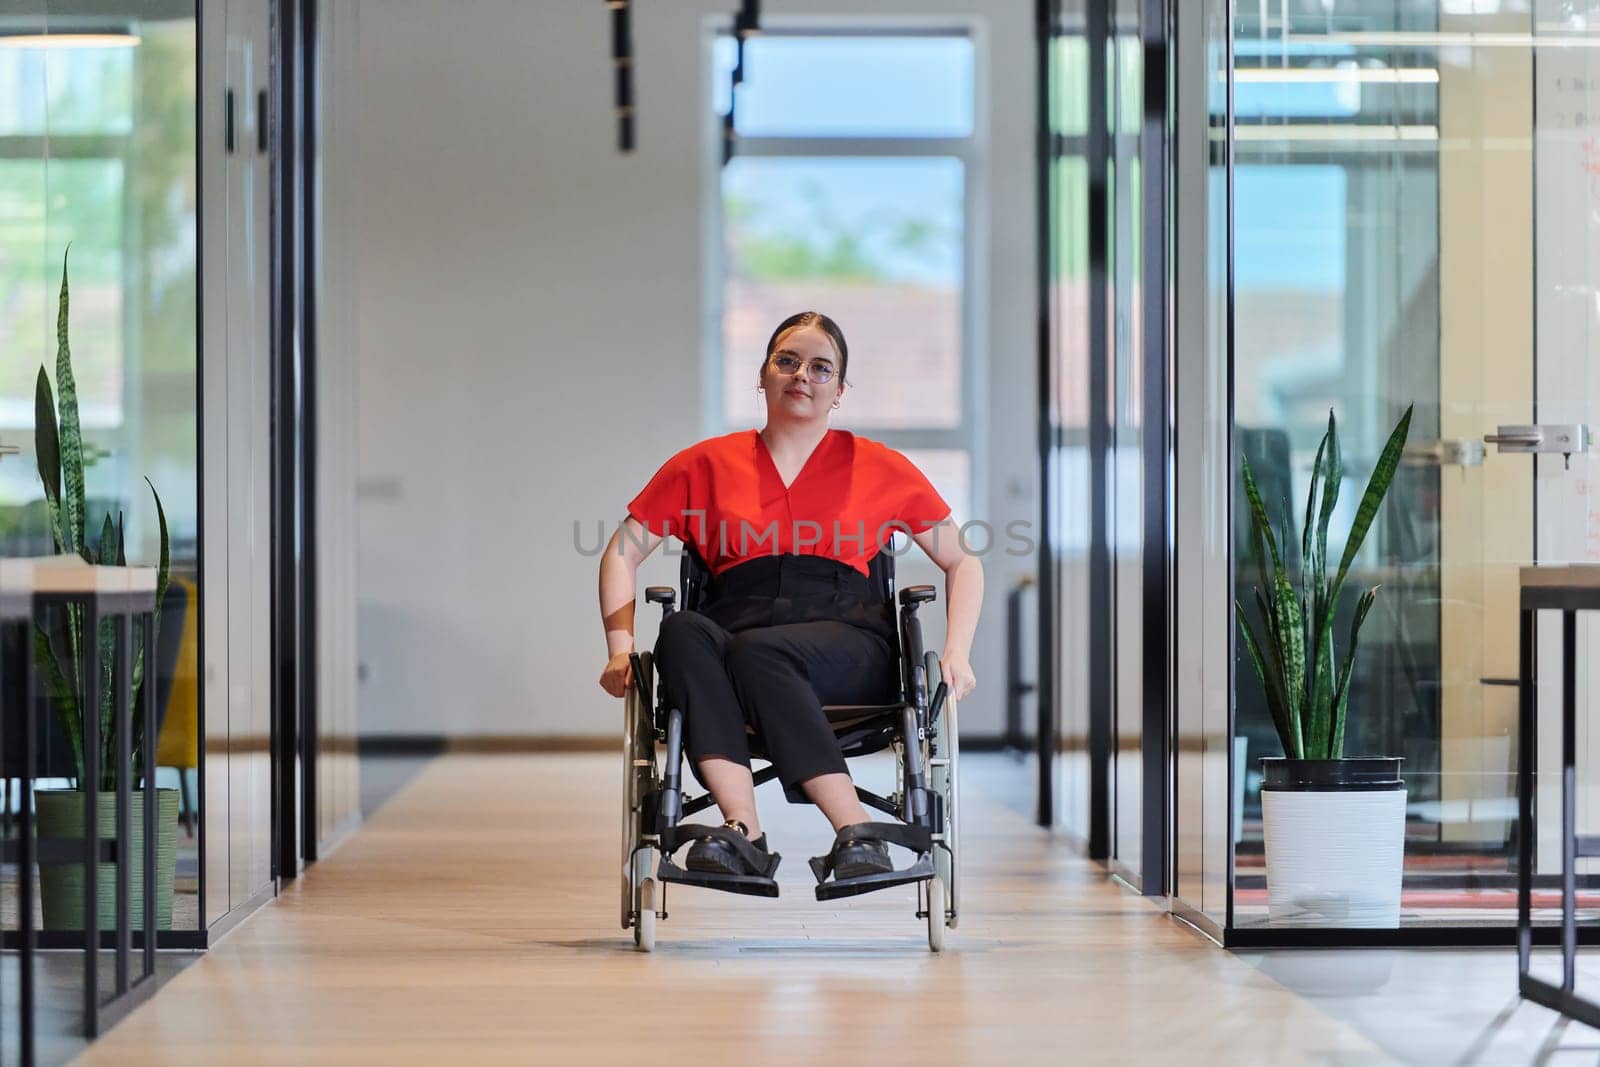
65, 90
97, 151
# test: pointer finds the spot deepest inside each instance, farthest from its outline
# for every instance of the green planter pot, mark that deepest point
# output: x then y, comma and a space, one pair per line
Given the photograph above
60, 815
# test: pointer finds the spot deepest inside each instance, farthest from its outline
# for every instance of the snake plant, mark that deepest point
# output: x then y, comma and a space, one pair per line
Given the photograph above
1307, 690
58, 645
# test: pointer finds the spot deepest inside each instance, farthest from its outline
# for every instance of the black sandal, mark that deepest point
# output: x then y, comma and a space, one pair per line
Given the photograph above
715, 854
858, 856
859, 860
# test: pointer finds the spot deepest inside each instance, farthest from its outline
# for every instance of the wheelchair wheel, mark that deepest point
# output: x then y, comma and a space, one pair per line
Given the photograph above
640, 892
644, 927
943, 779
935, 914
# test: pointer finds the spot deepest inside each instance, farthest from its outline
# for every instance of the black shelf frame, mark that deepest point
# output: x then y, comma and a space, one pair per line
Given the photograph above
125, 610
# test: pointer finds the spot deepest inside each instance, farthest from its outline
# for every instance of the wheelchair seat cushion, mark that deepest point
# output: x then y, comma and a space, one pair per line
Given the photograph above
841, 716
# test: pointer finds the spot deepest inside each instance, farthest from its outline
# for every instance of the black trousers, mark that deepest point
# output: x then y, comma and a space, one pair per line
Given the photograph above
776, 639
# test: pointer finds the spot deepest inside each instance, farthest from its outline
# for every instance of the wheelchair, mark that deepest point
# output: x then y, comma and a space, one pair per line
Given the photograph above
920, 727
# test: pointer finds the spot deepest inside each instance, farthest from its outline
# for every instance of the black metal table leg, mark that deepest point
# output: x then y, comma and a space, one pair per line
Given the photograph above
29, 852
147, 694
1525, 826
90, 787
1569, 801
104, 679
122, 697
1540, 591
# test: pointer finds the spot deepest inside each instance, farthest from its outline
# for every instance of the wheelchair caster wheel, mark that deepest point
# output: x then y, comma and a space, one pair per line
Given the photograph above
644, 927
935, 914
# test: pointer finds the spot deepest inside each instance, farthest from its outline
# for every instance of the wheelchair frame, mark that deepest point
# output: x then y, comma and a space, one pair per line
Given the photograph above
921, 727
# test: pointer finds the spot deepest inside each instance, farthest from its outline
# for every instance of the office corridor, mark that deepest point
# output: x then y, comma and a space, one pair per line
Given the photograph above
473, 920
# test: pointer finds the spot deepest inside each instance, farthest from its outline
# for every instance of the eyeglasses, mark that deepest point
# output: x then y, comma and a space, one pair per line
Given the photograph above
819, 371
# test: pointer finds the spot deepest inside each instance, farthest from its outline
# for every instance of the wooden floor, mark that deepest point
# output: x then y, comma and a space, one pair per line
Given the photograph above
474, 920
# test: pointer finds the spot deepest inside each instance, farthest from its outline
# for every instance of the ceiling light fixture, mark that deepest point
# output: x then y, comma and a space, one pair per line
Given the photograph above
1427, 39
747, 23
78, 39
1336, 75
622, 63
1334, 131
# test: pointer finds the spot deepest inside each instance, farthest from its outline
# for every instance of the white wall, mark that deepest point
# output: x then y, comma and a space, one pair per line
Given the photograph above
530, 322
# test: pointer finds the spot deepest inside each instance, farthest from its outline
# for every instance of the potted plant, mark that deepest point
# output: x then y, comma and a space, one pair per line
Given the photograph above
1334, 825
59, 656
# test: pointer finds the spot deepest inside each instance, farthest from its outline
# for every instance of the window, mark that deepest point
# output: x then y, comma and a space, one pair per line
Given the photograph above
847, 193
98, 151
861, 86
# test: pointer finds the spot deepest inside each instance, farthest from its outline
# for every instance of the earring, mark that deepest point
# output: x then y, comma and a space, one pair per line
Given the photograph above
835, 403
761, 388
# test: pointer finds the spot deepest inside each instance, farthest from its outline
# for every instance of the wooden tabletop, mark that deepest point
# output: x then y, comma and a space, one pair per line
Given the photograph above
1562, 576
69, 574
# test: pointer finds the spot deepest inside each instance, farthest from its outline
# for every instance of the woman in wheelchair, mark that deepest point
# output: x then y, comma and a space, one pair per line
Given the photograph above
784, 522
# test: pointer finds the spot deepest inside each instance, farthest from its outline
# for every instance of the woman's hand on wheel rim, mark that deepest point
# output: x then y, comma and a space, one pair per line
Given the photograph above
618, 674
957, 674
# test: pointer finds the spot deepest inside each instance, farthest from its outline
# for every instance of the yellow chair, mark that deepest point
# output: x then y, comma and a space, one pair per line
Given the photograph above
178, 743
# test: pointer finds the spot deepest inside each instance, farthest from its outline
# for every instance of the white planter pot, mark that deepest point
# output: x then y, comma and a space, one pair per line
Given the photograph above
1334, 855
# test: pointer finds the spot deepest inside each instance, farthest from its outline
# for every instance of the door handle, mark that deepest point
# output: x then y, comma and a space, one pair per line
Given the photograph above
228, 121
1463, 452
1565, 438
261, 121
1522, 440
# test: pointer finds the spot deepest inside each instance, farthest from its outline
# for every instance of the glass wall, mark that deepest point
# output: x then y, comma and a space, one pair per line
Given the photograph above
99, 176
1374, 205
1101, 393
1067, 471
1336, 303
1125, 464
97, 153
1202, 692
1409, 224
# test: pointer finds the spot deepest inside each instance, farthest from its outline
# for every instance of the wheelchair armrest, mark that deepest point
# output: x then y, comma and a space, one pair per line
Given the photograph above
913, 595
663, 595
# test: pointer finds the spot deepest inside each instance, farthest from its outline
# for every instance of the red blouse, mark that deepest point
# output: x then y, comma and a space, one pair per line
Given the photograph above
725, 496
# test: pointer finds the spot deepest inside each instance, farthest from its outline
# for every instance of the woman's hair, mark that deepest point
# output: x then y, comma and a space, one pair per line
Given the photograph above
821, 322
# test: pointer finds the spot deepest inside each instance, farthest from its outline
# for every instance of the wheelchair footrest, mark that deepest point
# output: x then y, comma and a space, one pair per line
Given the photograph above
910, 836
754, 885
920, 871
